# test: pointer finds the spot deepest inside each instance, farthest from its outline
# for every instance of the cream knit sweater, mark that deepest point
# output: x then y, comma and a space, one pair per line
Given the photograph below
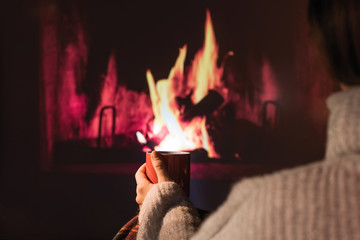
317, 201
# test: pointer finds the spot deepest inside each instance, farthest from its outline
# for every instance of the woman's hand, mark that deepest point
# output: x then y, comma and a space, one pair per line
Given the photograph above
143, 184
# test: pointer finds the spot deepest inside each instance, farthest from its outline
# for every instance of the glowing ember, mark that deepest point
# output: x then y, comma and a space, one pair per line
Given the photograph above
203, 75
140, 138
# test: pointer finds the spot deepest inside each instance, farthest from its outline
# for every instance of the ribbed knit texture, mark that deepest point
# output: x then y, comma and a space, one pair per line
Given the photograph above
344, 121
317, 201
167, 206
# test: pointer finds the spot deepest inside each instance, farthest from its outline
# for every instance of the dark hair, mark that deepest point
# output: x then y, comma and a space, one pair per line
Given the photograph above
338, 25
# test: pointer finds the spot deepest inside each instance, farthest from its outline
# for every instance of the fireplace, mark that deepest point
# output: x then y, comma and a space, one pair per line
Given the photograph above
120, 79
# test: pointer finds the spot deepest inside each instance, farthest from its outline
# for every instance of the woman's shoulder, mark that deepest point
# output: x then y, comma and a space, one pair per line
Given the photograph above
305, 174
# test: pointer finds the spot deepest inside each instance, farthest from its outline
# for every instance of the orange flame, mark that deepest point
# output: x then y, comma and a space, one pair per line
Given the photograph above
204, 74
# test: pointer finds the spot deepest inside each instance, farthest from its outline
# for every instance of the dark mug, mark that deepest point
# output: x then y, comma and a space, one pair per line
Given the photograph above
178, 166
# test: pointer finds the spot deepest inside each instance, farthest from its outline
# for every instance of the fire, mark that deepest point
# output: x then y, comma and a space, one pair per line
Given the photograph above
203, 75
173, 117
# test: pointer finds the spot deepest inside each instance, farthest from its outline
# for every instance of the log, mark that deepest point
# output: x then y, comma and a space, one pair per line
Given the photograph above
205, 107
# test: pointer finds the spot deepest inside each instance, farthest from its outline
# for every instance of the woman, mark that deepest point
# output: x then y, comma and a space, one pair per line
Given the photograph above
317, 201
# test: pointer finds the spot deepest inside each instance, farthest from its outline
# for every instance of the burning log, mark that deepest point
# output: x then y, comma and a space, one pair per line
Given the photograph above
205, 107
184, 103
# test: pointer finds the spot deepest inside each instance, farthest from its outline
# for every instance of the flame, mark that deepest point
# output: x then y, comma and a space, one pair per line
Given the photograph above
203, 75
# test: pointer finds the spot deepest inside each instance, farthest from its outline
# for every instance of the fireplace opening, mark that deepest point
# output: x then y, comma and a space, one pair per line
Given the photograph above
117, 83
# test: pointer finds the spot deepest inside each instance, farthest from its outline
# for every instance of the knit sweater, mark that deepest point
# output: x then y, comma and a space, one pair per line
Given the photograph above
317, 201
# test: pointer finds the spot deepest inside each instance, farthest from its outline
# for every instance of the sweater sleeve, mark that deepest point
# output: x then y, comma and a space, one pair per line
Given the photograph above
166, 213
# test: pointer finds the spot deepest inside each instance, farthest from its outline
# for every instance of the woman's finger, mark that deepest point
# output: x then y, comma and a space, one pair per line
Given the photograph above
160, 165
140, 175
143, 185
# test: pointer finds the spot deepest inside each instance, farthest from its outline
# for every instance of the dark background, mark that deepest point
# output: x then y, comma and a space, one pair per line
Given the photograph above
61, 205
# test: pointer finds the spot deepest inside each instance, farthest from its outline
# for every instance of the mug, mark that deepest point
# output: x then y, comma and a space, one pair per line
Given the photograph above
178, 166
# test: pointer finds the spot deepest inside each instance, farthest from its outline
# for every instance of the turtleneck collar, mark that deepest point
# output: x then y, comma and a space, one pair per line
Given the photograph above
344, 123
